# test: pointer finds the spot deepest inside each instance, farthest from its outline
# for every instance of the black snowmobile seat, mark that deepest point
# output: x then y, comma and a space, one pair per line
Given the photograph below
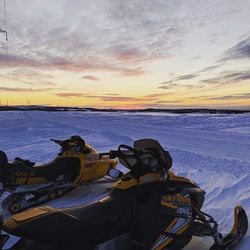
92, 222
68, 167
151, 144
24, 162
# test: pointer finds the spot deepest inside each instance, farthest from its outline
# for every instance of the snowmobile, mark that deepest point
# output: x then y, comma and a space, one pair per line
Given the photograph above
30, 184
154, 208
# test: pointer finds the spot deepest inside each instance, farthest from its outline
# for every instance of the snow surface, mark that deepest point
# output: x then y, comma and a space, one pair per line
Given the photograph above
213, 150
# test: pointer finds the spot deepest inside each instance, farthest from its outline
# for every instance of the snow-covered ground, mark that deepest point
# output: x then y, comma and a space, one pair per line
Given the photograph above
213, 150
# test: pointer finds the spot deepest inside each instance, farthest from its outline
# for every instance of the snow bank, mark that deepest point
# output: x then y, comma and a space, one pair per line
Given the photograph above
211, 149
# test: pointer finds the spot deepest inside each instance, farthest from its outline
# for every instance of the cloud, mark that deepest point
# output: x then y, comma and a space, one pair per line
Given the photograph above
227, 78
124, 38
232, 97
118, 99
208, 69
156, 95
113, 94
5, 89
123, 35
240, 51
125, 54
133, 72
28, 76
24, 72
168, 102
221, 79
186, 77
70, 95
168, 85
173, 83
92, 78
112, 97
12, 60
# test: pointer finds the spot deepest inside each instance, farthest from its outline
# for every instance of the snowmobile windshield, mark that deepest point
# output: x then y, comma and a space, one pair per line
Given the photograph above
163, 156
138, 161
74, 143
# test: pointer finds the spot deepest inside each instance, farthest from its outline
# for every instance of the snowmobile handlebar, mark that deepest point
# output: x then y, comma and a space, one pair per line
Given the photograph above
123, 151
57, 141
129, 157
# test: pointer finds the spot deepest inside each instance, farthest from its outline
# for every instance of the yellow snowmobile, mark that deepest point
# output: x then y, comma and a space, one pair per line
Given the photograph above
30, 184
149, 208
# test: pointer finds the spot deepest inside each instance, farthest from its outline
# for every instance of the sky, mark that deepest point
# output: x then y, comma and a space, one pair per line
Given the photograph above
126, 54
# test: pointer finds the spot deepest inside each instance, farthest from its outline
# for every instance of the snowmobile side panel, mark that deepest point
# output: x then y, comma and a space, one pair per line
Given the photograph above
174, 177
157, 223
29, 180
33, 213
95, 169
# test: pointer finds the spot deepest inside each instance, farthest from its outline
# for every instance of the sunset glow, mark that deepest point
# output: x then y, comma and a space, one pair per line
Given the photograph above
126, 54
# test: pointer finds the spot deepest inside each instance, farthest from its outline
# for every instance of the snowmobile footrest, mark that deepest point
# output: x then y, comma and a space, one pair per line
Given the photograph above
237, 233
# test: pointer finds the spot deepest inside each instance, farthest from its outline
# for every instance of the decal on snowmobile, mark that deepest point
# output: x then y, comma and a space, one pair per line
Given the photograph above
182, 212
178, 226
176, 198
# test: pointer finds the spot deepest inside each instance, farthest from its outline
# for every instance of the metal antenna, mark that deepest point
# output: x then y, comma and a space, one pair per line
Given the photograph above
6, 34
5, 22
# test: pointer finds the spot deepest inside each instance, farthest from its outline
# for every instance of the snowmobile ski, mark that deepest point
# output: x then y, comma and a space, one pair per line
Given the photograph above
237, 233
